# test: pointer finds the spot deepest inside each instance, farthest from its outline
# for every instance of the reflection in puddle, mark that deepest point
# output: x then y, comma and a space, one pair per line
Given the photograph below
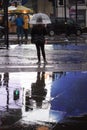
69, 93
42, 96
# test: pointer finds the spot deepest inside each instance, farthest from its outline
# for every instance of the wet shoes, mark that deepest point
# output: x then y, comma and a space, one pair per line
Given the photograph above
45, 62
38, 63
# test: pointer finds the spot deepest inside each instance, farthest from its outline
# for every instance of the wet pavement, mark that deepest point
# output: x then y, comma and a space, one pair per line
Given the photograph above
43, 100
45, 97
59, 58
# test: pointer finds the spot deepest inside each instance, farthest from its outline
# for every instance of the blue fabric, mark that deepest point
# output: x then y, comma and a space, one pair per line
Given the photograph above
69, 93
19, 21
20, 31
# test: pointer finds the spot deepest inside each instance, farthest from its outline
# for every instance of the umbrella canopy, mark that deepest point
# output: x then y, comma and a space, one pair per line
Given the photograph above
23, 9
11, 8
45, 19
18, 9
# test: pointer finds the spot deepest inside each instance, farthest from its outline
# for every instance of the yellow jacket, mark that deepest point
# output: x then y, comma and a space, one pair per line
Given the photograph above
26, 22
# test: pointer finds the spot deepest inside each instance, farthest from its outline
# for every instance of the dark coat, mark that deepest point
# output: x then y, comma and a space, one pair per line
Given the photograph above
38, 33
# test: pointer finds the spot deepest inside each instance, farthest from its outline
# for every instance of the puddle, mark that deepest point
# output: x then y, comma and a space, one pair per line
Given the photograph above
79, 47
41, 97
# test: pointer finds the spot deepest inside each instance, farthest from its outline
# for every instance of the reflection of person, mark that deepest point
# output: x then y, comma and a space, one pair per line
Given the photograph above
28, 102
39, 31
26, 25
0, 80
38, 89
19, 23
6, 78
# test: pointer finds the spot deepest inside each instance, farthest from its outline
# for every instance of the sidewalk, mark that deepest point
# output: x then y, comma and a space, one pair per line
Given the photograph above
59, 57
20, 57
51, 40
62, 55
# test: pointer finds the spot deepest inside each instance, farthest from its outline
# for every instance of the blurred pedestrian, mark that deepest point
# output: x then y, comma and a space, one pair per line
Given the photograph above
38, 33
19, 23
26, 25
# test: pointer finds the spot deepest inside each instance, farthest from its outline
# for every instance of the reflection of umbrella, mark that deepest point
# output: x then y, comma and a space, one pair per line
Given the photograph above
45, 18
69, 94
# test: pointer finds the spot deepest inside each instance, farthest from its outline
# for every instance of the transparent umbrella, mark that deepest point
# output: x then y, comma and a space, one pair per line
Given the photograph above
11, 8
45, 18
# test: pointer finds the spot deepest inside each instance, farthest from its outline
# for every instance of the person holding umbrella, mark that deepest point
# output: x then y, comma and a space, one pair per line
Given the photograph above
38, 33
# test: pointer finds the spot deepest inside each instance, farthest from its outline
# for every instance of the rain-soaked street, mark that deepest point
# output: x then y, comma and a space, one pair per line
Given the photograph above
41, 99
46, 97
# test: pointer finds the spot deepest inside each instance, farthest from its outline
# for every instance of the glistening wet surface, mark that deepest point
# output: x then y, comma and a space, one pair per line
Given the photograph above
38, 100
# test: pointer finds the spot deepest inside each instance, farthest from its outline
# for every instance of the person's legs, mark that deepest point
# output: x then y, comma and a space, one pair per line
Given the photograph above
25, 33
43, 52
38, 52
21, 32
18, 32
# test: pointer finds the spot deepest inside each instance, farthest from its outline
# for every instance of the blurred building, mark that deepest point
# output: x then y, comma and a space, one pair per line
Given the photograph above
81, 11
61, 8
76, 9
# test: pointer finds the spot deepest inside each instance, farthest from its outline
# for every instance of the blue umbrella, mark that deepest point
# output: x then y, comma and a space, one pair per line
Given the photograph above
69, 93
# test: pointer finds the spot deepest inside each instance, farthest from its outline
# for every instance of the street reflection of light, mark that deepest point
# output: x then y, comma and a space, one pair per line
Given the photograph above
42, 128
27, 79
36, 115
13, 46
3, 97
23, 81
46, 75
48, 82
